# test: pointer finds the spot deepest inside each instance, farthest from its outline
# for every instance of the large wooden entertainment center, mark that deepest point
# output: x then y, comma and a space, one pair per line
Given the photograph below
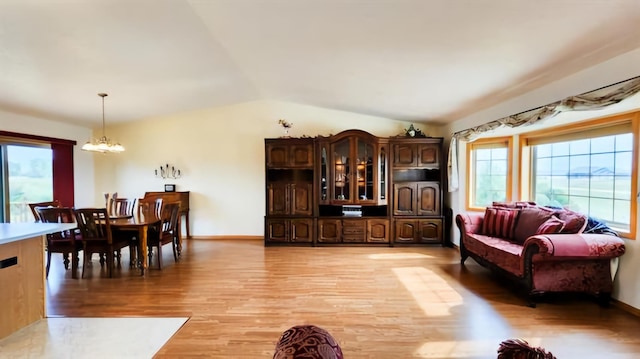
354, 188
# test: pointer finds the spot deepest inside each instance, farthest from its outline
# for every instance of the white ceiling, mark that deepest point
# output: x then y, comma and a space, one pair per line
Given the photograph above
429, 61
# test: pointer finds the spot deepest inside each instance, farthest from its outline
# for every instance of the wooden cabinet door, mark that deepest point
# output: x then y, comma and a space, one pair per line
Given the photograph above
404, 198
430, 230
301, 155
301, 199
277, 230
404, 155
429, 155
278, 199
428, 199
277, 155
285, 154
377, 231
406, 231
329, 230
301, 230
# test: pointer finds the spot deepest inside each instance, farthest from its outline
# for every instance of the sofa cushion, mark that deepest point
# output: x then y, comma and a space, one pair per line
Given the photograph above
529, 219
550, 226
499, 222
574, 222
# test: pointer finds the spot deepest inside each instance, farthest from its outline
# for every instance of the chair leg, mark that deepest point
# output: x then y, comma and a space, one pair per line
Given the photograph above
74, 265
133, 256
175, 250
65, 260
160, 256
85, 259
48, 263
118, 256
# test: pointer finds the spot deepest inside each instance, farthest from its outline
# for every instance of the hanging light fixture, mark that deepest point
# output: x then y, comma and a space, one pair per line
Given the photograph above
102, 144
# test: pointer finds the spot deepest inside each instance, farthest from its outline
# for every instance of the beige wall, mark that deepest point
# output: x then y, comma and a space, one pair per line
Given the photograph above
221, 153
627, 289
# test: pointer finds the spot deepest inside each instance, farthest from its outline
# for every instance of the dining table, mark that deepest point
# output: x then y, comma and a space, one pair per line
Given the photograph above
140, 221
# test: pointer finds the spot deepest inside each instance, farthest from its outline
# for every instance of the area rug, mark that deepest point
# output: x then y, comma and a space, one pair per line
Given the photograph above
91, 338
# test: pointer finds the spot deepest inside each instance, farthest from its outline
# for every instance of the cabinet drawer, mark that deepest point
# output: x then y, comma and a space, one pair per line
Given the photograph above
352, 238
353, 227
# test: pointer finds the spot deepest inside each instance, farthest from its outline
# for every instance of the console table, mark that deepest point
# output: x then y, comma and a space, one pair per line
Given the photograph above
180, 197
22, 278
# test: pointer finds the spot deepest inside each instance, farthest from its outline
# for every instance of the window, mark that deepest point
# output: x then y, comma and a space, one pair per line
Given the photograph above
33, 169
588, 169
29, 179
489, 170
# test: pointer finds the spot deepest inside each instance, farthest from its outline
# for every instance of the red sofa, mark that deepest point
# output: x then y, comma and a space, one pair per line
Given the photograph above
543, 249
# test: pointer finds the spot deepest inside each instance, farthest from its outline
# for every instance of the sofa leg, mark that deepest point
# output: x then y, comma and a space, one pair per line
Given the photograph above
463, 255
604, 299
533, 298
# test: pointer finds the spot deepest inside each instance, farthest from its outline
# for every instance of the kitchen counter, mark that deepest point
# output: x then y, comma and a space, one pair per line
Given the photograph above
22, 278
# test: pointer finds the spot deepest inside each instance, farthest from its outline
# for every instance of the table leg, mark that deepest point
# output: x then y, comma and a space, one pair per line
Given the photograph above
142, 248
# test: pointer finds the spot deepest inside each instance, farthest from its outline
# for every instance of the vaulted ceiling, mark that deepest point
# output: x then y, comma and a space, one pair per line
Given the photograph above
430, 61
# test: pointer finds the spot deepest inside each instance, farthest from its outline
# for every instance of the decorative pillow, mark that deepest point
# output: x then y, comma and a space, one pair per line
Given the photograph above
550, 226
307, 341
574, 222
529, 219
499, 222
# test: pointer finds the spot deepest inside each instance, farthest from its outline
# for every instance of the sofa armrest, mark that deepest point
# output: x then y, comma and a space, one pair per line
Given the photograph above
470, 222
577, 246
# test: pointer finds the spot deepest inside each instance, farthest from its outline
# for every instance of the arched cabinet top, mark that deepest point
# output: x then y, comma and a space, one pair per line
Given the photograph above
350, 133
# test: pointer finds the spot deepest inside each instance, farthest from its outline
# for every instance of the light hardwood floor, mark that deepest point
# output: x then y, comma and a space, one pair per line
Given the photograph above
408, 302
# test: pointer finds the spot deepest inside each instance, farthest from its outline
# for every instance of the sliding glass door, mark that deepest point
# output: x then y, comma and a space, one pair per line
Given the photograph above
27, 176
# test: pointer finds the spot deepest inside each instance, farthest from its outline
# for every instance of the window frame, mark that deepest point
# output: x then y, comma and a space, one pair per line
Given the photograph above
495, 142
62, 163
565, 133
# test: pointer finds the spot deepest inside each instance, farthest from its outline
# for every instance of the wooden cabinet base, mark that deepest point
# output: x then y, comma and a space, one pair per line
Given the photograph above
21, 284
418, 231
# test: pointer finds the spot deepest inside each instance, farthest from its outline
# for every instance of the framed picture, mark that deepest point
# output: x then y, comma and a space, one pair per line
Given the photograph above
169, 188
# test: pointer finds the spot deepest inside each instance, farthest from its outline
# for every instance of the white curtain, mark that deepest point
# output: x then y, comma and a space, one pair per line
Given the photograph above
593, 100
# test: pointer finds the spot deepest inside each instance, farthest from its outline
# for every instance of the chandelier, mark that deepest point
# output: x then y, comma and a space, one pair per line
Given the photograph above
102, 144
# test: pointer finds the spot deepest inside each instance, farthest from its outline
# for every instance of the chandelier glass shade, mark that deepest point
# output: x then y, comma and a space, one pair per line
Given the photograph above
102, 144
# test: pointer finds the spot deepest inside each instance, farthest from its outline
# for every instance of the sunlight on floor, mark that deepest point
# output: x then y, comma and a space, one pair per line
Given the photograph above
465, 348
399, 256
458, 349
432, 293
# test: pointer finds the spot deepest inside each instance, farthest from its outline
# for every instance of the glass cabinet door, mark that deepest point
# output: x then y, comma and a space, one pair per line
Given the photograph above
382, 181
324, 173
365, 170
341, 170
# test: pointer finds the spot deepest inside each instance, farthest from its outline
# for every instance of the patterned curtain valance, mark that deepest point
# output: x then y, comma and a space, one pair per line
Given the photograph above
592, 100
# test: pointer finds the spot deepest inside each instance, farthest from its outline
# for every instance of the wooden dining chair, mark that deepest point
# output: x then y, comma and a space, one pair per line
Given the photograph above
166, 234
146, 206
33, 206
64, 242
122, 206
97, 237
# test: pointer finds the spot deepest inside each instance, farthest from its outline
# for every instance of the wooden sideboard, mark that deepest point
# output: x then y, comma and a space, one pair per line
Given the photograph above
393, 184
180, 197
